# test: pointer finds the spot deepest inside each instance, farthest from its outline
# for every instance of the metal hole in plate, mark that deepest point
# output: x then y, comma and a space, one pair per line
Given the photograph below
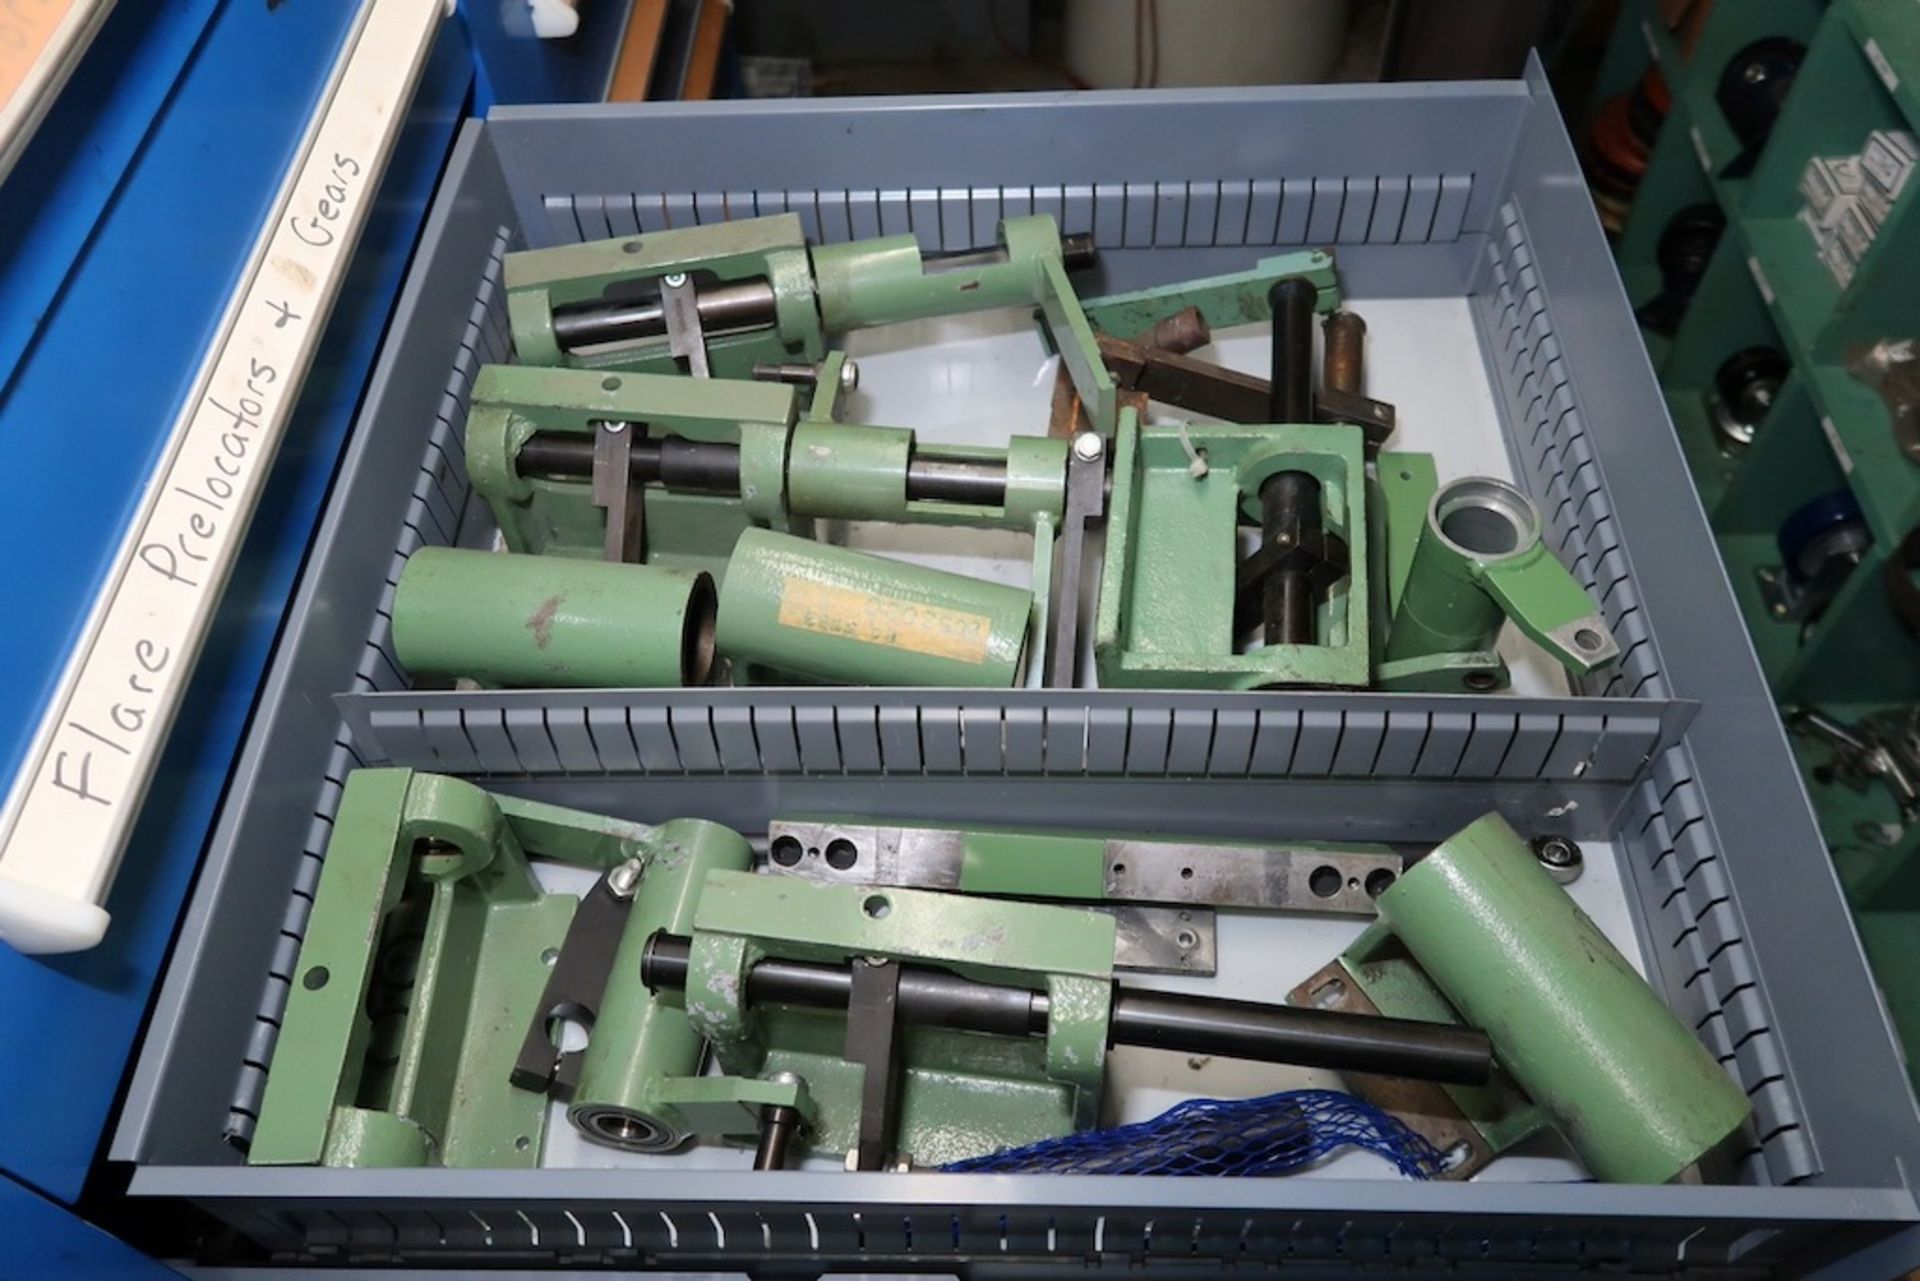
1187, 940
1328, 995
1587, 638
876, 906
1378, 882
1324, 881
842, 854
610, 383
569, 1028
316, 978
1186, 874
785, 850
1119, 869
1480, 681
632, 247
522, 1143
549, 955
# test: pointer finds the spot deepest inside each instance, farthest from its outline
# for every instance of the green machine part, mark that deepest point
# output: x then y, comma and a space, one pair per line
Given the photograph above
424, 958
1476, 560
778, 467
761, 263
960, 1094
832, 614
1168, 588
1477, 931
760, 295
555, 515
542, 622
1237, 298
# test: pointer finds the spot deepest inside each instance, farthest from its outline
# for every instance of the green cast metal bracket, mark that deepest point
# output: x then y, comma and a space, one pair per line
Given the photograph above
1168, 587
782, 469
752, 252
1478, 932
421, 965
1479, 560
556, 515
1238, 298
959, 1094
761, 295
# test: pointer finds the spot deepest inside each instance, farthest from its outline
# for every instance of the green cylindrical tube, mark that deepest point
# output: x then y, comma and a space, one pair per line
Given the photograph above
642, 1038
885, 281
848, 472
839, 615
551, 622
1583, 1034
1445, 610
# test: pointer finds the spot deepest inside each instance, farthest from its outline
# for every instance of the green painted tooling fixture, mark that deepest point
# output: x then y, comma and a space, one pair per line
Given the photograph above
439, 989
1366, 572
1479, 931
670, 470
717, 301
790, 608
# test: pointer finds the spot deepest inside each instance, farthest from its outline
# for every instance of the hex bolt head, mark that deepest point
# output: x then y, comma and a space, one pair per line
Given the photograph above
1088, 447
1560, 856
623, 880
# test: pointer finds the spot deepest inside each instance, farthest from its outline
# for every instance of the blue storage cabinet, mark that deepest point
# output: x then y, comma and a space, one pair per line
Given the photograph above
125, 224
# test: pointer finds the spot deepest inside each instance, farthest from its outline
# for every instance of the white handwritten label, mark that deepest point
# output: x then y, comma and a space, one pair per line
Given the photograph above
1760, 280
71, 808
1839, 450
1880, 64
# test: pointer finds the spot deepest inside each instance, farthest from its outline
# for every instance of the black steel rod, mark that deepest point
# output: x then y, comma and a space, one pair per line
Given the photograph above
1190, 1024
1289, 518
674, 461
956, 480
742, 304
1309, 1038
1290, 392
778, 1125
708, 467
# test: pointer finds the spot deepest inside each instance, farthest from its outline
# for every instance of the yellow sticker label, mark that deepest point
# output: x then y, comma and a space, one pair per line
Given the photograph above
847, 612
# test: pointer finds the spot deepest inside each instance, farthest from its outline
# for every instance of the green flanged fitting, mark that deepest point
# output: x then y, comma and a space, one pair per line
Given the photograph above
838, 615
642, 1047
1628, 1084
552, 622
1480, 559
881, 282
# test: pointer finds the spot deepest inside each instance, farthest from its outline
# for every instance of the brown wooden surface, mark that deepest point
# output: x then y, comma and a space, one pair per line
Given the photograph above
704, 64
638, 50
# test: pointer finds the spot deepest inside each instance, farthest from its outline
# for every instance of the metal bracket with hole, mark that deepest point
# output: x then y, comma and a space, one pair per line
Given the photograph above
1303, 876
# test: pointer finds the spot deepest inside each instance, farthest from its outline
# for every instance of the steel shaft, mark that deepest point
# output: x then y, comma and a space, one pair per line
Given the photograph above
1189, 1024
708, 467
741, 305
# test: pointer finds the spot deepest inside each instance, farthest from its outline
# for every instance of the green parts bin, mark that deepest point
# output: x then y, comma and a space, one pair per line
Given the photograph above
838, 615
551, 621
